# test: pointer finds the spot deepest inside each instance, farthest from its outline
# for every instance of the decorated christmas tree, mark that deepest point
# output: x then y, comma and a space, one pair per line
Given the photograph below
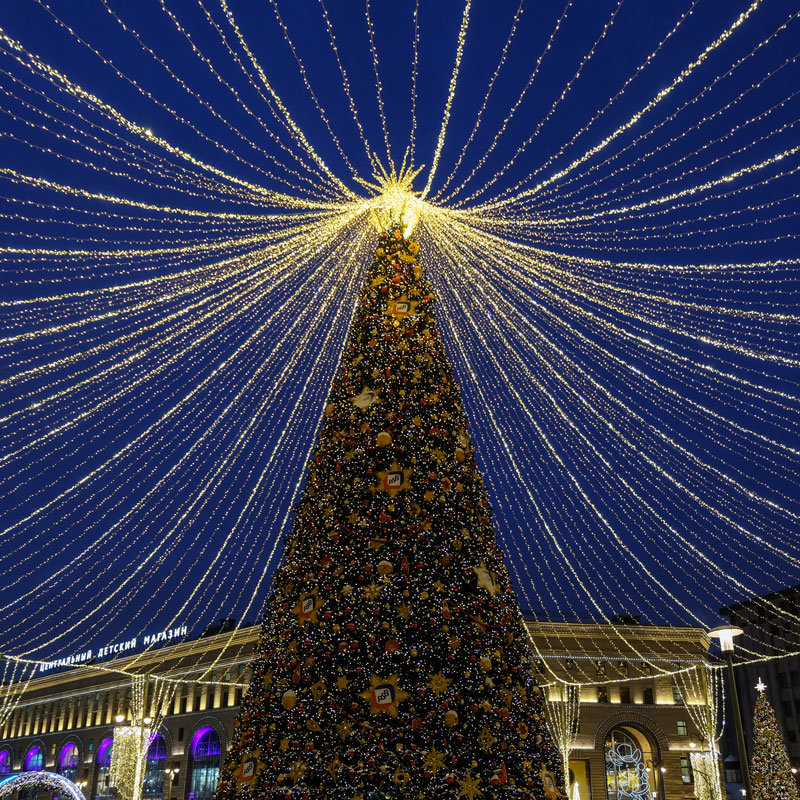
770, 770
393, 660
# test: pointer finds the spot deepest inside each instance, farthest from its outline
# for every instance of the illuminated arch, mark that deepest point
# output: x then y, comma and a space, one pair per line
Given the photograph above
102, 770
33, 760
58, 783
69, 760
211, 721
205, 756
642, 722
632, 746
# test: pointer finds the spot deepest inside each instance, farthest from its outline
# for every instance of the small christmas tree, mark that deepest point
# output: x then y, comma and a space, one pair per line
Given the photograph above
393, 662
770, 770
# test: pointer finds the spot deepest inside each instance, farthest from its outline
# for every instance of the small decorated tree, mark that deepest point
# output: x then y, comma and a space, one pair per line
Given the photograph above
770, 770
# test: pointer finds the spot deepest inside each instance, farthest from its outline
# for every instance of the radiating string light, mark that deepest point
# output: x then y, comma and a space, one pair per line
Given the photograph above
462, 35
665, 384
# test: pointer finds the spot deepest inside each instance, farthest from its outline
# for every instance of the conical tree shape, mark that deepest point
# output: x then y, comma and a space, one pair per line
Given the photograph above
770, 769
393, 660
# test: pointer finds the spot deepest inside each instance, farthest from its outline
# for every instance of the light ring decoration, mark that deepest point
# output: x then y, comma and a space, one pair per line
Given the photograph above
40, 778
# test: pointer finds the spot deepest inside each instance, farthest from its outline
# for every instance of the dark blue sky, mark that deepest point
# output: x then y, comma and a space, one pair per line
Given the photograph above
553, 363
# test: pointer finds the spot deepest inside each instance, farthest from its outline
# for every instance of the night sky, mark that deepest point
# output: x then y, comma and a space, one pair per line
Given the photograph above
636, 424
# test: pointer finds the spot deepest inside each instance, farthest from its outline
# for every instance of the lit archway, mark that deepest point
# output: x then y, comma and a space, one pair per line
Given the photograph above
69, 761
632, 764
103, 789
33, 762
204, 765
60, 785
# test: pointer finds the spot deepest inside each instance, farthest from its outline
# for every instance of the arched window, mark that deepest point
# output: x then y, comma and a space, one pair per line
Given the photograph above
204, 768
103, 790
154, 771
69, 761
5, 762
34, 761
631, 769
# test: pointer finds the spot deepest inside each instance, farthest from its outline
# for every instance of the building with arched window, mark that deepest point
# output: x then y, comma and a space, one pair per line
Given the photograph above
102, 779
634, 737
632, 764
204, 763
69, 761
33, 761
5, 761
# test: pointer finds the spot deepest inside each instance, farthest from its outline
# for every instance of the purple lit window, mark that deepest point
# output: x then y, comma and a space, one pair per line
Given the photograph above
5, 762
68, 761
205, 743
104, 790
153, 788
205, 764
34, 760
104, 752
157, 749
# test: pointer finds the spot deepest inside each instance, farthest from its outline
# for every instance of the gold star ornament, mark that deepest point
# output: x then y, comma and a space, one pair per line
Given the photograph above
307, 607
384, 695
470, 787
249, 767
401, 308
393, 480
434, 761
438, 683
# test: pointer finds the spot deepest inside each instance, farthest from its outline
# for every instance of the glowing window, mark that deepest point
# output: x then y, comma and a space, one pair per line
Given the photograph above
103, 769
34, 759
205, 764
631, 772
68, 761
154, 771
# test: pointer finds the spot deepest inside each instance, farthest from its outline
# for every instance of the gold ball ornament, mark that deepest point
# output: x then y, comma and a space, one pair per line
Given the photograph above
385, 568
289, 699
460, 455
384, 438
450, 718
486, 663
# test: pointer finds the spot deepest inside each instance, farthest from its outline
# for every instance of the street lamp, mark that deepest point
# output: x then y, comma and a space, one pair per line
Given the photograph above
725, 634
172, 774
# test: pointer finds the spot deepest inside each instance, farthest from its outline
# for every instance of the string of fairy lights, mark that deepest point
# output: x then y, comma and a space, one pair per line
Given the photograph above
187, 211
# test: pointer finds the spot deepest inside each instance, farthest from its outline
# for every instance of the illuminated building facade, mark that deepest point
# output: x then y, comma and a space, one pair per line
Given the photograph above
636, 737
633, 739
